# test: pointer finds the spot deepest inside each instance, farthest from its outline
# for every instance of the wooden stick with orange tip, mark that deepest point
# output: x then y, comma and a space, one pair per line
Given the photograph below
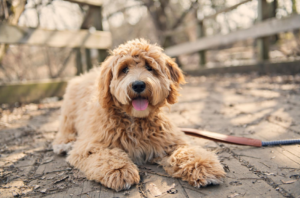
234, 139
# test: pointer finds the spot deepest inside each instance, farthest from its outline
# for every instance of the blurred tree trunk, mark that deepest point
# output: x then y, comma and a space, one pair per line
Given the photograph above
93, 18
16, 9
158, 13
273, 9
294, 7
97, 22
263, 42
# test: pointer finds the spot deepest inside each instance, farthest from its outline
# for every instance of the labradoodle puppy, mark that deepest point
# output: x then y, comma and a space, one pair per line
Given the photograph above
112, 120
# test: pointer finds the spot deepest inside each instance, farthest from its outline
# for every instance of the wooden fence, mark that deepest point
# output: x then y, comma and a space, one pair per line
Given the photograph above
78, 39
33, 91
266, 26
10, 34
262, 29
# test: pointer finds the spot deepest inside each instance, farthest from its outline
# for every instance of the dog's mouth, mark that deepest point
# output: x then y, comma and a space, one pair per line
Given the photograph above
140, 103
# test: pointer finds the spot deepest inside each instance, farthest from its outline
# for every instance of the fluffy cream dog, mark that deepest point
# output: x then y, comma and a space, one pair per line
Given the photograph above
112, 120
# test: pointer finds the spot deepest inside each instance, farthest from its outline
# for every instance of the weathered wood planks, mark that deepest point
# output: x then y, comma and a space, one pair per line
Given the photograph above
31, 91
87, 2
266, 28
10, 34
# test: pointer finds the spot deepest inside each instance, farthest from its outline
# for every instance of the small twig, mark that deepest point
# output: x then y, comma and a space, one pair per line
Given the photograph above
183, 15
152, 172
45, 150
86, 193
249, 156
265, 164
68, 169
289, 168
62, 179
246, 178
64, 64
193, 189
141, 190
123, 9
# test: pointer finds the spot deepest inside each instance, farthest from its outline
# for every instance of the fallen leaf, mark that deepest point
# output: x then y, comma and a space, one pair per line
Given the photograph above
268, 174
126, 193
288, 182
15, 194
172, 191
47, 160
60, 180
235, 183
154, 191
295, 176
233, 195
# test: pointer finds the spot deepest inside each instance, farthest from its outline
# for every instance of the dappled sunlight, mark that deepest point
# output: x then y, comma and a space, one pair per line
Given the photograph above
15, 189
264, 93
9, 159
256, 107
50, 126
283, 118
268, 132
245, 119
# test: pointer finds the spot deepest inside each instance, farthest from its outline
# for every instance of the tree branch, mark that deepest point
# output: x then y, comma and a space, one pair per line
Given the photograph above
192, 23
123, 9
181, 18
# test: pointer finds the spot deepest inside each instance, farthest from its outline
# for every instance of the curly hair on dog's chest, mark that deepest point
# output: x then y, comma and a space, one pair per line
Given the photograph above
142, 138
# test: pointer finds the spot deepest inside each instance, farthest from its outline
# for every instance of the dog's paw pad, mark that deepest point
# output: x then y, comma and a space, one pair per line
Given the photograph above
207, 182
121, 179
62, 148
127, 186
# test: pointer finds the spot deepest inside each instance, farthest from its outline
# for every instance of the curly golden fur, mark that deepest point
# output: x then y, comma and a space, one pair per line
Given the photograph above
109, 136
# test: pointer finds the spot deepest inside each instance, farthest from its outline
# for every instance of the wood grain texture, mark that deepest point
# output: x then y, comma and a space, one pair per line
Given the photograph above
87, 2
31, 91
10, 34
266, 28
252, 106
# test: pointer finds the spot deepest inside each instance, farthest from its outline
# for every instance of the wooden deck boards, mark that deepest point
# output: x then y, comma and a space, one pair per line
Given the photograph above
264, 107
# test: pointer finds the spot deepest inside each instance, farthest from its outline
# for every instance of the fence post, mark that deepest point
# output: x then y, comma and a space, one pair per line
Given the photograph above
202, 53
263, 43
86, 25
88, 58
78, 62
97, 22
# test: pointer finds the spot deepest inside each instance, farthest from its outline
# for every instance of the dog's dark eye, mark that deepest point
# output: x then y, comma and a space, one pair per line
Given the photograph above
125, 70
149, 68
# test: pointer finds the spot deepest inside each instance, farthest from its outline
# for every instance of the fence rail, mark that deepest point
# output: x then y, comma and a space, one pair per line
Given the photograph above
10, 34
265, 28
87, 2
31, 91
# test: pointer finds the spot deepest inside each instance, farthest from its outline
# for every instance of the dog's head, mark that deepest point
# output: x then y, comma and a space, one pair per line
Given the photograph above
139, 78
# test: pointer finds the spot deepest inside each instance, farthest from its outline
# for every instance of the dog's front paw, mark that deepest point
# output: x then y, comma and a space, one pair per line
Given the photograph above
200, 168
122, 178
62, 148
199, 173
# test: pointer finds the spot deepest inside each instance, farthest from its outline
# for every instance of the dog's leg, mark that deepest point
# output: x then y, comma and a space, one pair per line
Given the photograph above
194, 165
111, 167
66, 134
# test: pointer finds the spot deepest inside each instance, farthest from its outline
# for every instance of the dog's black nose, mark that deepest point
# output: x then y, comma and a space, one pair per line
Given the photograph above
138, 86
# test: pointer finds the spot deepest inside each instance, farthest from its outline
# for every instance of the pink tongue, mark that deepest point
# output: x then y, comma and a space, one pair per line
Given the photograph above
140, 104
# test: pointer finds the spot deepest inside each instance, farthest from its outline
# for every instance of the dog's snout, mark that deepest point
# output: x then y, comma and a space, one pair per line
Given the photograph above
138, 86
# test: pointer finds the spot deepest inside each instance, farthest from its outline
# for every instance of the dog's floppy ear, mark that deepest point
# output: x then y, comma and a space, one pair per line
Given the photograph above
105, 97
177, 78
176, 74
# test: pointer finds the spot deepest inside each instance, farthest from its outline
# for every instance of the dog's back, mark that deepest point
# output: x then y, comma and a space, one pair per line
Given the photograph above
79, 93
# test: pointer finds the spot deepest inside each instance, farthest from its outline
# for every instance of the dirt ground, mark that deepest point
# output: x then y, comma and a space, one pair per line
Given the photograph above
262, 107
